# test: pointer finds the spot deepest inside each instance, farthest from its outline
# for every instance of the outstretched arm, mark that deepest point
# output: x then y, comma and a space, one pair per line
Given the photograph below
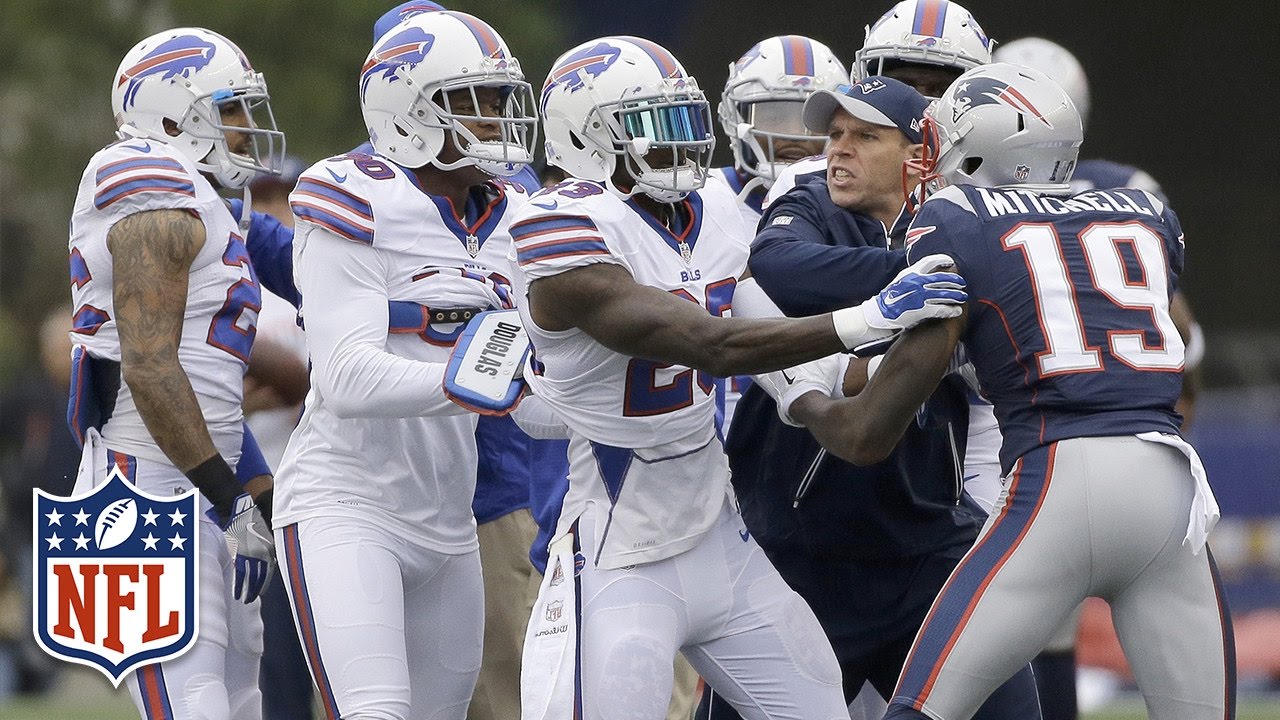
864, 429
605, 302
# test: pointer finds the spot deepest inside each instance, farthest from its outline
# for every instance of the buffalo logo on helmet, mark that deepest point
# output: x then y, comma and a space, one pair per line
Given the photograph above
182, 56
406, 48
576, 70
746, 59
981, 91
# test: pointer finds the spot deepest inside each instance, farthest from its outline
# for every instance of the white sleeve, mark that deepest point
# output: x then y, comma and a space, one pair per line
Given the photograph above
344, 289
536, 418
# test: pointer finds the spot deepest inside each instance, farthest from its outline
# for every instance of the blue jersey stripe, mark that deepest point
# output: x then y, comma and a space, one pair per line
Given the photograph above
543, 225
321, 189
560, 248
122, 166
333, 222
148, 183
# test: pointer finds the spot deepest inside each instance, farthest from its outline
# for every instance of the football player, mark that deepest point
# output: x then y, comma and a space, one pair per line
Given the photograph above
1056, 666
1069, 330
760, 113
165, 303
394, 251
621, 271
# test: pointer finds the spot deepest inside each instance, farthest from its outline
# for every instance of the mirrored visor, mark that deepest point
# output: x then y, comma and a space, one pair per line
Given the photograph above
668, 122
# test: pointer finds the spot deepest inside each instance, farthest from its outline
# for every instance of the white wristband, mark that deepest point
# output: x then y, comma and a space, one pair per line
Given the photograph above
872, 365
852, 328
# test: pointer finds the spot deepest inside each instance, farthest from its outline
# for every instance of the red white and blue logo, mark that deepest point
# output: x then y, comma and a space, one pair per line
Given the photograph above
988, 91
407, 47
181, 56
575, 71
116, 576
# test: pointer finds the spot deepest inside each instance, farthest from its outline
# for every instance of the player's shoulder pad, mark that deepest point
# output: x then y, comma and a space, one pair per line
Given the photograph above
565, 220
800, 172
953, 201
142, 173
337, 194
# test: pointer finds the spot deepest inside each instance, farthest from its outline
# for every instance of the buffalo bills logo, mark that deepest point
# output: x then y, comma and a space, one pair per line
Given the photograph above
746, 59
575, 71
977, 29
406, 48
989, 91
182, 56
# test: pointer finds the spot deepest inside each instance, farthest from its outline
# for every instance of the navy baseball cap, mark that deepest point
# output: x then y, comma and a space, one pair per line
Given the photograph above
877, 99
392, 17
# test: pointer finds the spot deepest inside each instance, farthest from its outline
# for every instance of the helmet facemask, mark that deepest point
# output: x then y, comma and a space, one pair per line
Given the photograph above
259, 146
517, 124
665, 142
758, 126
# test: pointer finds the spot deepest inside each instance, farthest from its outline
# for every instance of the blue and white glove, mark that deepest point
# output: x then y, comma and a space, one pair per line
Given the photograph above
251, 542
824, 375
921, 292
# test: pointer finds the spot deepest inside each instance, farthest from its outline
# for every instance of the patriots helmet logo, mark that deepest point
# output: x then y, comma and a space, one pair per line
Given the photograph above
180, 56
408, 47
574, 72
989, 91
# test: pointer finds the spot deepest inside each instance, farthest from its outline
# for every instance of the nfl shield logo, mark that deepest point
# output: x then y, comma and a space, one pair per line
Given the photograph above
115, 576
1021, 173
555, 609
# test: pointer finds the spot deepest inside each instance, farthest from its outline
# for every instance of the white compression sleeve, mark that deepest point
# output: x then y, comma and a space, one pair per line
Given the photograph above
344, 287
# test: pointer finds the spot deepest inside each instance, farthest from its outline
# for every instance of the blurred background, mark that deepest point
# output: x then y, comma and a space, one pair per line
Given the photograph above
1178, 90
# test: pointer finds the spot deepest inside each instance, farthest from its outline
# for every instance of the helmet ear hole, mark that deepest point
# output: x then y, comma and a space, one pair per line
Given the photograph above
576, 141
971, 165
1022, 122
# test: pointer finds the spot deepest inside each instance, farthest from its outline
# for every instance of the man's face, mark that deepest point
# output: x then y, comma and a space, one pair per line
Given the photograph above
233, 115
491, 102
928, 80
864, 163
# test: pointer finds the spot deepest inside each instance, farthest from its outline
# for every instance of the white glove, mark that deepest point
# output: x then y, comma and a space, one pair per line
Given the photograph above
825, 375
918, 293
250, 540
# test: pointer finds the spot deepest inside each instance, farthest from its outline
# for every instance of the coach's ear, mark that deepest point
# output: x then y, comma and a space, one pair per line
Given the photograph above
915, 152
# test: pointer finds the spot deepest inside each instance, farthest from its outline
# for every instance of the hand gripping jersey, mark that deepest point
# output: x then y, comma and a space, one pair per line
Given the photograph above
389, 275
643, 446
223, 297
1061, 289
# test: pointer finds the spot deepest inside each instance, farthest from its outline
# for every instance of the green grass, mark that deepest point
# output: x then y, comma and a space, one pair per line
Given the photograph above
1133, 710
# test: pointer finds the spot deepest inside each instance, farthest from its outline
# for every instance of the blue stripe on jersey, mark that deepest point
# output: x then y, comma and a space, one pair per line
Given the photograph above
950, 614
547, 224
332, 222
118, 167
552, 249
334, 194
144, 183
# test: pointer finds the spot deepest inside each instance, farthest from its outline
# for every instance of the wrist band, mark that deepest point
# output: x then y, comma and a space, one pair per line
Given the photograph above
215, 479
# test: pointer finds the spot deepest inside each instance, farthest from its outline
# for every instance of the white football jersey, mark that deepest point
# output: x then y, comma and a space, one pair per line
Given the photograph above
374, 257
643, 445
728, 177
223, 298
787, 178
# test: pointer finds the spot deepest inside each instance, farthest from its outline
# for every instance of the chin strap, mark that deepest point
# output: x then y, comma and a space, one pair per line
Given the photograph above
750, 187
246, 217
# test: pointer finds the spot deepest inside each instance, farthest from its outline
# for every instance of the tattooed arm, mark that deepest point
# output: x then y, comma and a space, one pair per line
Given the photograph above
151, 255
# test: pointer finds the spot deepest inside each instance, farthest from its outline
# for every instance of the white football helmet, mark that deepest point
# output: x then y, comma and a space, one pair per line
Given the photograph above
1053, 60
190, 76
922, 32
1000, 125
628, 98
405, 88
762, 105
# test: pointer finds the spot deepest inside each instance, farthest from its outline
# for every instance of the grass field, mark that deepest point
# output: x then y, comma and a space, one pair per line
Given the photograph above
85, 695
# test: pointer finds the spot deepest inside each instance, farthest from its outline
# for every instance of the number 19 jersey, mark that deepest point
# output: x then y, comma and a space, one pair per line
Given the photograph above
1069, 325
643, 446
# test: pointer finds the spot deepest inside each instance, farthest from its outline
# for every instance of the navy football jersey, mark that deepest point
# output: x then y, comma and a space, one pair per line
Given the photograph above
1069, 325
